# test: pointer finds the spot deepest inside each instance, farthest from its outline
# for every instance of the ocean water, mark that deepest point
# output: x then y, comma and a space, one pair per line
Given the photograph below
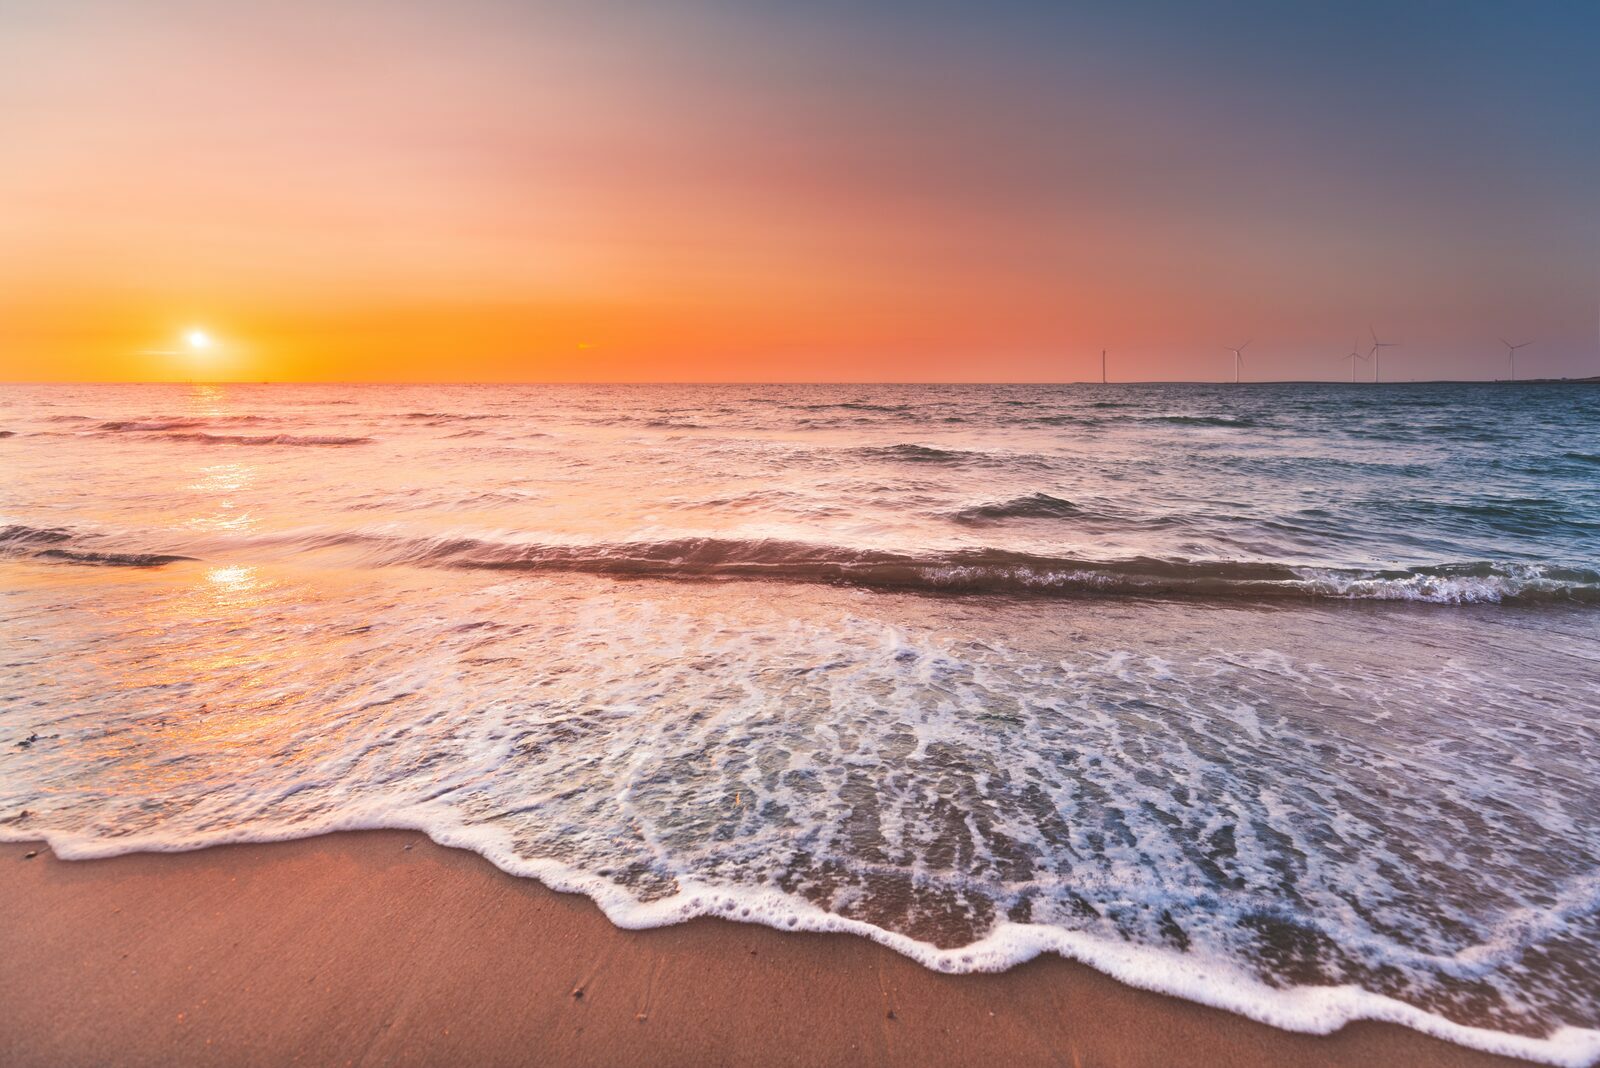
1281, 698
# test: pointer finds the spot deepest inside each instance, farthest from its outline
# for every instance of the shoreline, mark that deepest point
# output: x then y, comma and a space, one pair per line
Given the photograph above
383, 947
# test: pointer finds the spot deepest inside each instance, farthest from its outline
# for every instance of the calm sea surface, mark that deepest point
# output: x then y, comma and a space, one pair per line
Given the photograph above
1281, 698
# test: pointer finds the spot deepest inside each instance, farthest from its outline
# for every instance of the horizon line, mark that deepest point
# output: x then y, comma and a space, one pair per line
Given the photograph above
1585, 379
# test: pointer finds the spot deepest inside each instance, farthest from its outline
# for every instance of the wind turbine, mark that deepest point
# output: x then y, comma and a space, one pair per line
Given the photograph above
1237, 360
1511, 354
1377, 353
1353, 355
1102, 367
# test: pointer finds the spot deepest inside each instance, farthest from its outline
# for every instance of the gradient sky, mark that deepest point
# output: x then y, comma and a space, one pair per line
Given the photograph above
763, 191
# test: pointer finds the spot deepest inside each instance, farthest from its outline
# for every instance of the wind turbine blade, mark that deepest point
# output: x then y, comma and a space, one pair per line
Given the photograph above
1507, 344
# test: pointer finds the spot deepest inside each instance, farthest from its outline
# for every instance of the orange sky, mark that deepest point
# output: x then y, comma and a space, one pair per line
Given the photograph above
497, 191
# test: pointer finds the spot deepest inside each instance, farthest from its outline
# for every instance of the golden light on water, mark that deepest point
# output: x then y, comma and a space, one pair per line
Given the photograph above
233, 578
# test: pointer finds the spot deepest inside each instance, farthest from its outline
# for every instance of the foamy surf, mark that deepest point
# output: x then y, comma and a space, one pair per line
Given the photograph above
1213, 983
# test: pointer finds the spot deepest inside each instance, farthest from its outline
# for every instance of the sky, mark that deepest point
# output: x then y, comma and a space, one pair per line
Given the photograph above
554, 191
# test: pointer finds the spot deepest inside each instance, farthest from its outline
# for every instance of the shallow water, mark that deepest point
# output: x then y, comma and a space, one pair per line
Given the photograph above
1281, 698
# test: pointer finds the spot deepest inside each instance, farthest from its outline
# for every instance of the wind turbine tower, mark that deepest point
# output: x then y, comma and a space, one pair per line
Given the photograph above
1377, 353
1102, 367
1353, 355
1511, 355
1237, 360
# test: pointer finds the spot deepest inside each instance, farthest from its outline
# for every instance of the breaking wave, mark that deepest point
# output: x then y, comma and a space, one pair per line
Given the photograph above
952, 572
981, 571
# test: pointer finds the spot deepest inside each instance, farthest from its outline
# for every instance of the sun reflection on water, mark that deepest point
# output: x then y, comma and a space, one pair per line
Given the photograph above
217, 485
236, 579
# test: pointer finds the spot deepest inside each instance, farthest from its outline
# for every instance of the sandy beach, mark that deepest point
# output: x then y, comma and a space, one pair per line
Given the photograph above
383, 948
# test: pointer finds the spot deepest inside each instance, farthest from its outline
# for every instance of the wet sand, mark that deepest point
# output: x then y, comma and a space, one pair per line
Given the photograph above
383, 948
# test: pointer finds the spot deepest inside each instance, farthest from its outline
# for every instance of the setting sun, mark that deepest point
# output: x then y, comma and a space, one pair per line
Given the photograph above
198, 340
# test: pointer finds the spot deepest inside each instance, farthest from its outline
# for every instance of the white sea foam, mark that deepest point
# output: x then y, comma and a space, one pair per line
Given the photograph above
1242, 826
1309, 1010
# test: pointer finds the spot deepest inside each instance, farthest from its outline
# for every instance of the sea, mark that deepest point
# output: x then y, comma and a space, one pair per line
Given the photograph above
1283, 698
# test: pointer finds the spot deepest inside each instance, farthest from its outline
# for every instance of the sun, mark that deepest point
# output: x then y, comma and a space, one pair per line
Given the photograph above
198, 340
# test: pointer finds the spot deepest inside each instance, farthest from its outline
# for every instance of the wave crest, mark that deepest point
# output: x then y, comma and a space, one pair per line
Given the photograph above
111, 559
124, 425
1032, 506
310, 440
988, 571
17, 535
17, 539
957, 571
